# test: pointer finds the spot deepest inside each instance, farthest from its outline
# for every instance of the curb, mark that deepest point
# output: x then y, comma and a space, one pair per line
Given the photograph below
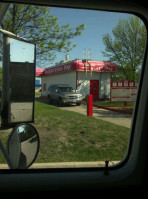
111, 109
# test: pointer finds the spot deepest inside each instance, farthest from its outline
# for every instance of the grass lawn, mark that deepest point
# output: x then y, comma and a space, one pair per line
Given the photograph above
69, 136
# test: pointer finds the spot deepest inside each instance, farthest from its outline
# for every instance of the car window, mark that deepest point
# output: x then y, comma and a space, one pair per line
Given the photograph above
50, 88
98, 54
54, 88
66, 89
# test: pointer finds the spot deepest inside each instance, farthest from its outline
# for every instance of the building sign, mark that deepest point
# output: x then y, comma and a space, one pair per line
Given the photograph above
58, 69
97, 66
123, 91
79, 65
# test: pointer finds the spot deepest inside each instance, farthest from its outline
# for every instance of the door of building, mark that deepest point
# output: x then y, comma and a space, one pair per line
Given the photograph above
94, 88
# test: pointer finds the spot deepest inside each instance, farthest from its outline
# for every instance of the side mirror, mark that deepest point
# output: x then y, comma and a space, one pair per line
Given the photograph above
23, 146
56, 91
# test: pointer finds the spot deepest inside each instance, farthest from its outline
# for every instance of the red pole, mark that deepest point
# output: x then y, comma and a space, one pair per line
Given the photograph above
125, 104
90, 105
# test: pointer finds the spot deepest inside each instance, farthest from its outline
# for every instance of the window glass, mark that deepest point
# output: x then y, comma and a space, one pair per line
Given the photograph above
99, 56
25, 51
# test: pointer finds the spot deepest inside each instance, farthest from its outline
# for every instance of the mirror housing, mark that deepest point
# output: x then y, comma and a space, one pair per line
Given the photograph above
57, 91
23, 146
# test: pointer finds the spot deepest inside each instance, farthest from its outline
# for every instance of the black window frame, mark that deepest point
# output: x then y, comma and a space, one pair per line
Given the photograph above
132, 172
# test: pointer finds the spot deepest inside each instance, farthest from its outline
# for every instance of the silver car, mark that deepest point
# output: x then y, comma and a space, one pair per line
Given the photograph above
63, 94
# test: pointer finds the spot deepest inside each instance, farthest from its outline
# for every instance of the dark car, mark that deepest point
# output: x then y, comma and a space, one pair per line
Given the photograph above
63, 94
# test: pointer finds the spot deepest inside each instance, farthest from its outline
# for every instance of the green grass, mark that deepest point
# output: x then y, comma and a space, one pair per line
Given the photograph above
70, 136
4, 137
67, 136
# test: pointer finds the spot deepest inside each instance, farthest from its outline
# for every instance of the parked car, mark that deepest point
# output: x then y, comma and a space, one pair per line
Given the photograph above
63, 94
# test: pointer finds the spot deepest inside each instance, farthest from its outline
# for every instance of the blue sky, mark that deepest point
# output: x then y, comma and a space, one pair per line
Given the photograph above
97, 24
25, 51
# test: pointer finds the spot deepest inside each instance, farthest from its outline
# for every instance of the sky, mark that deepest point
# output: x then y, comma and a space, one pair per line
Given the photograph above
97, 24
25, 51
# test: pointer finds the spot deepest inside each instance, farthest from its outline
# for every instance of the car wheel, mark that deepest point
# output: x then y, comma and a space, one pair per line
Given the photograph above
60, 102
78, 104
49, 100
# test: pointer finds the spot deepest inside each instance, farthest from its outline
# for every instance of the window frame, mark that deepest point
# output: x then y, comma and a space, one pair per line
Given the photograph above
130, 172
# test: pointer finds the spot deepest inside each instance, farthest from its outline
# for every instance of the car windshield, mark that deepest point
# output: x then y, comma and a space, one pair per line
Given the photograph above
66, 89
87, 66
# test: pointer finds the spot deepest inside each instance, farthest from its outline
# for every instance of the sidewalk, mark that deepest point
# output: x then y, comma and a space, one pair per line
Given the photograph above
117, 118
113, 117
103, 114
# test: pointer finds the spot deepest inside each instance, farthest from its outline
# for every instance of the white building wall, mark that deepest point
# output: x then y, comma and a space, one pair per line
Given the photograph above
104, 90
104, 83
64, 78
83, 82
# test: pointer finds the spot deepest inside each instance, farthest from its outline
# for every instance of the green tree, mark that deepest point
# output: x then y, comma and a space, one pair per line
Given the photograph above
36, 24
126, 48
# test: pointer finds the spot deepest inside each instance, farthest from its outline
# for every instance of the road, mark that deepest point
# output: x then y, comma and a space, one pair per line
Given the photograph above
99, 113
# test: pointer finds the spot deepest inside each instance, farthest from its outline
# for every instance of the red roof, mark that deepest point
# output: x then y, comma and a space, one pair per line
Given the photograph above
39, 72
78, 65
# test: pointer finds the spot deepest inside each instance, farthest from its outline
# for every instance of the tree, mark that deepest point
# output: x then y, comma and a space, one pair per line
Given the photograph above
126, 48
36, 24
